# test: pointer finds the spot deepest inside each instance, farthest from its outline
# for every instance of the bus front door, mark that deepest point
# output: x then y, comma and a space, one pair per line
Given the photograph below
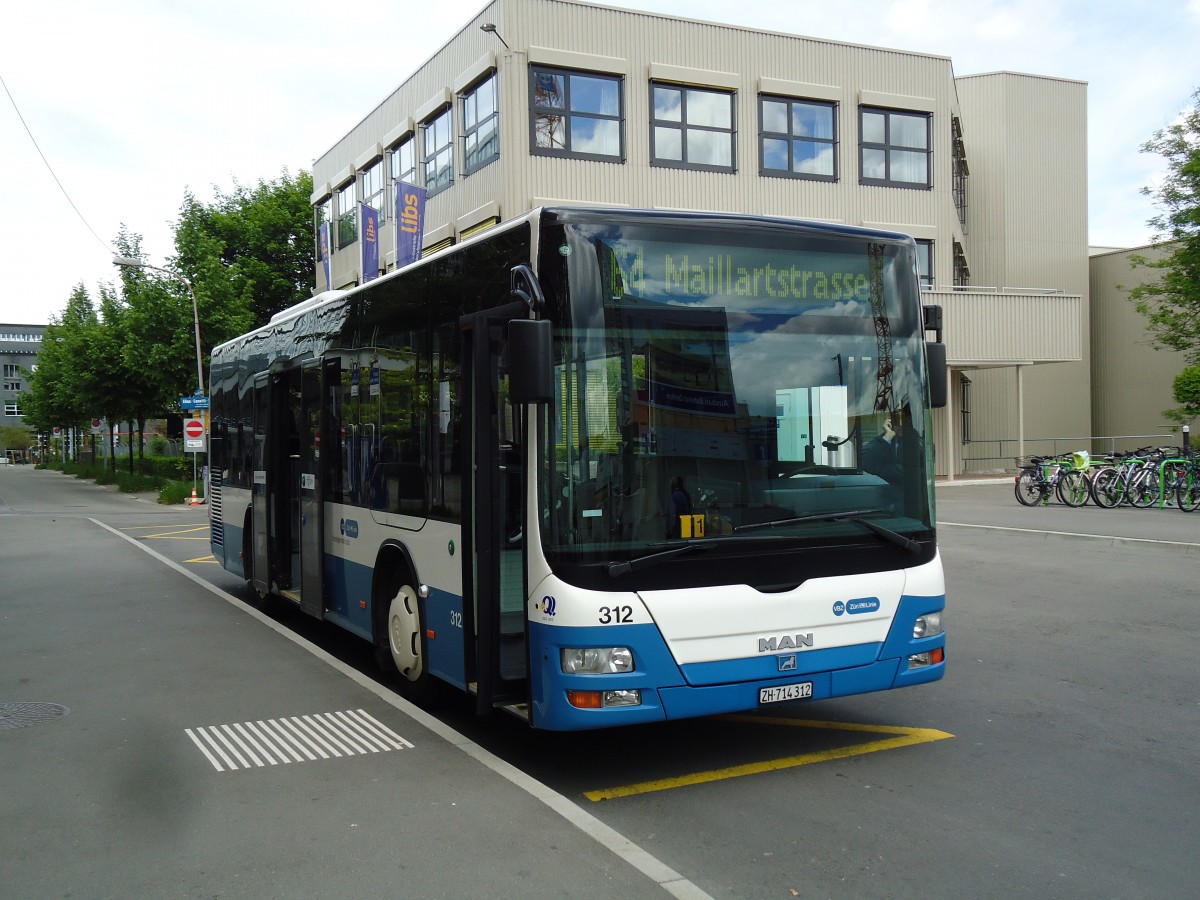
495, 519
286, 504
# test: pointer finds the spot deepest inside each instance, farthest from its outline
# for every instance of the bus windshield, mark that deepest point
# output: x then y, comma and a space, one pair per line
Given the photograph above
732, 383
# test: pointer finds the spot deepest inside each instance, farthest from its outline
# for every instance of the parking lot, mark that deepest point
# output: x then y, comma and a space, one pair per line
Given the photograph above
1057, 757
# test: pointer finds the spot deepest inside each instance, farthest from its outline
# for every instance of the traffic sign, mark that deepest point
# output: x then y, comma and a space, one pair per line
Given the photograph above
193, 435
193, 403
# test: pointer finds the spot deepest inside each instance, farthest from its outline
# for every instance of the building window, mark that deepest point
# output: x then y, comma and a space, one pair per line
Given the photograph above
322, 215
12, 370
962, 272
799, 138
347, 216
577, 114
692, 128
438, 138
925, 264
372, 188
481, 129
895, 148
12, 385
959, 170
404, 168
12, 409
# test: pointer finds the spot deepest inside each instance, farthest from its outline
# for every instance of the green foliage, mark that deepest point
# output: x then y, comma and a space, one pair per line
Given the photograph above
1186, 391
1171, 304
15, 437
175, 492
251, 252
238, 261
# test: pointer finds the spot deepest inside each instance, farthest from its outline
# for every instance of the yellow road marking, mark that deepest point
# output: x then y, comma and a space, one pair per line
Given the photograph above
904, 737
202, 559
176, 535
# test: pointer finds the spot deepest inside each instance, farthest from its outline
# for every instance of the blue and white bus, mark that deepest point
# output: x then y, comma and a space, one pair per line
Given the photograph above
602, 466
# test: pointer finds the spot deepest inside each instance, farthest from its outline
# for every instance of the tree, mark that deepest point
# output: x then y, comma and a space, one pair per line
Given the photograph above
15, 437
57, 395
1171, 304
249, 254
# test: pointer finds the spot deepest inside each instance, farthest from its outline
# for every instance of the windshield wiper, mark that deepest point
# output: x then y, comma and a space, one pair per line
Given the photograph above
853, 515
624, 567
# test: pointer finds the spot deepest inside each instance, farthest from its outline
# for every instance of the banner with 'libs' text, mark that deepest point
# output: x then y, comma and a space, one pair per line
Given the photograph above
370, 243
410, 222
323, 237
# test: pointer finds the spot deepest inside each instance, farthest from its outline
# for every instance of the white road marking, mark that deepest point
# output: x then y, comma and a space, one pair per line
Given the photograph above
277, 738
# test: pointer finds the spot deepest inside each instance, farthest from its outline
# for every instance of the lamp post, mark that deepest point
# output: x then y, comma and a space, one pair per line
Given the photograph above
130, 262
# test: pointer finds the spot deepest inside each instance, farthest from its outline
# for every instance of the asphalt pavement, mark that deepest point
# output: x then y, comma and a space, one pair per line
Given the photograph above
157, 739
990, 503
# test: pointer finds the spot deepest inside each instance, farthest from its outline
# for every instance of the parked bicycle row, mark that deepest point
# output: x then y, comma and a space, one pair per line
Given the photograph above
1157, 477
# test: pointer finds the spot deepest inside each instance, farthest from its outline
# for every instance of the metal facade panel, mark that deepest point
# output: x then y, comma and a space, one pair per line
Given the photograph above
1131, 381
991, 329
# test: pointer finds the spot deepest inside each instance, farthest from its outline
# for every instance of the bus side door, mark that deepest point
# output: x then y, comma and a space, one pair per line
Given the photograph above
260, 519
493, 530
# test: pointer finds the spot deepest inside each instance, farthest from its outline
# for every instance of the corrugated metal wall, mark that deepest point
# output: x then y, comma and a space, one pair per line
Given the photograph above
1026, 141
1131, 381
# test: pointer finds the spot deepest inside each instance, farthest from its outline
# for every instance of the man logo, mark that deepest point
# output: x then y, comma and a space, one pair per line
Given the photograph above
787, 642
787, 663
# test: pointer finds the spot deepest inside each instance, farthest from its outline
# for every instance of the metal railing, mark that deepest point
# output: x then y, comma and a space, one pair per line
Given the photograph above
981, 457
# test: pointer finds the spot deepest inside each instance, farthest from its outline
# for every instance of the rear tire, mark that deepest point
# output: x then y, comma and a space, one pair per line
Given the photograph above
1143, 492
1073, 489
1028, 487
1107, 488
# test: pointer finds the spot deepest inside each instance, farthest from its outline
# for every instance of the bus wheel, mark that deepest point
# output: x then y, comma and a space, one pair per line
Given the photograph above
403, 649
404, 634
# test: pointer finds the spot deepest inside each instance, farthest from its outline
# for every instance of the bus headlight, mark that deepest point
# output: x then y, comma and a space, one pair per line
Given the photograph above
596, 660
928, 625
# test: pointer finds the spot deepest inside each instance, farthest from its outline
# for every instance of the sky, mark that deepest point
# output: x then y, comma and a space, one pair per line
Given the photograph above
133, 103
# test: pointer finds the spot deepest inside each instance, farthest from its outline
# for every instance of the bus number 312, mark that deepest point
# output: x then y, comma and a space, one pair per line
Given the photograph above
615, 615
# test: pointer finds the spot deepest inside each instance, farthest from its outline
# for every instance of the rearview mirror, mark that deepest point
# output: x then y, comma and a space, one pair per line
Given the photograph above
939, 382
530, 373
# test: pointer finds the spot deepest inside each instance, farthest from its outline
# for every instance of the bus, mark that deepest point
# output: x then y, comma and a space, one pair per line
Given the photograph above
599, 467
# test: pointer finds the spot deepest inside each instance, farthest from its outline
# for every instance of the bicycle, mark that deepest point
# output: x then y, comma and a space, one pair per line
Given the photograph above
1187, 482
1046, 475
1111, 485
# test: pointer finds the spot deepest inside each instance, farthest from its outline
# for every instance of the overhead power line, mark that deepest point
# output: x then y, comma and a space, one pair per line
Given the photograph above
103, 243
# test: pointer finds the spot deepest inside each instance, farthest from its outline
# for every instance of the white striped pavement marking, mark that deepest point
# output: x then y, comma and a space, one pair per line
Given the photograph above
249, 745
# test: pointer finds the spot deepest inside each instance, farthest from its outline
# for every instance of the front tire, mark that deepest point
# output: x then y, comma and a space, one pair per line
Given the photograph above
404, 648
1187, 493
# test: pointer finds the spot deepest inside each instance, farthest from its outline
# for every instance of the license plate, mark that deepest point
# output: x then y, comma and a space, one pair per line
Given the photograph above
783, 692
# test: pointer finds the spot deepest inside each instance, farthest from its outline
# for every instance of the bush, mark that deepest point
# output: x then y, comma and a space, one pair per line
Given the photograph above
175, 492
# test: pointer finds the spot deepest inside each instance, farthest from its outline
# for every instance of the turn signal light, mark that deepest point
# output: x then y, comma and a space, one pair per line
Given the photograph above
584, 699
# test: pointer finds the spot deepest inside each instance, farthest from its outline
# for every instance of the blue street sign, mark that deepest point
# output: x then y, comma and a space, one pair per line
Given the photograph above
193, 403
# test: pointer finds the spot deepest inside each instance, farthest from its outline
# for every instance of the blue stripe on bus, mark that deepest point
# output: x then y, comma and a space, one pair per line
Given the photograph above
443, 616
835, 672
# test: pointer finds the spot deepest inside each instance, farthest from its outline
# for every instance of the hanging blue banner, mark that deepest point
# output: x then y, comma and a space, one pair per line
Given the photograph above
410, 222
323, 237
370, 243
